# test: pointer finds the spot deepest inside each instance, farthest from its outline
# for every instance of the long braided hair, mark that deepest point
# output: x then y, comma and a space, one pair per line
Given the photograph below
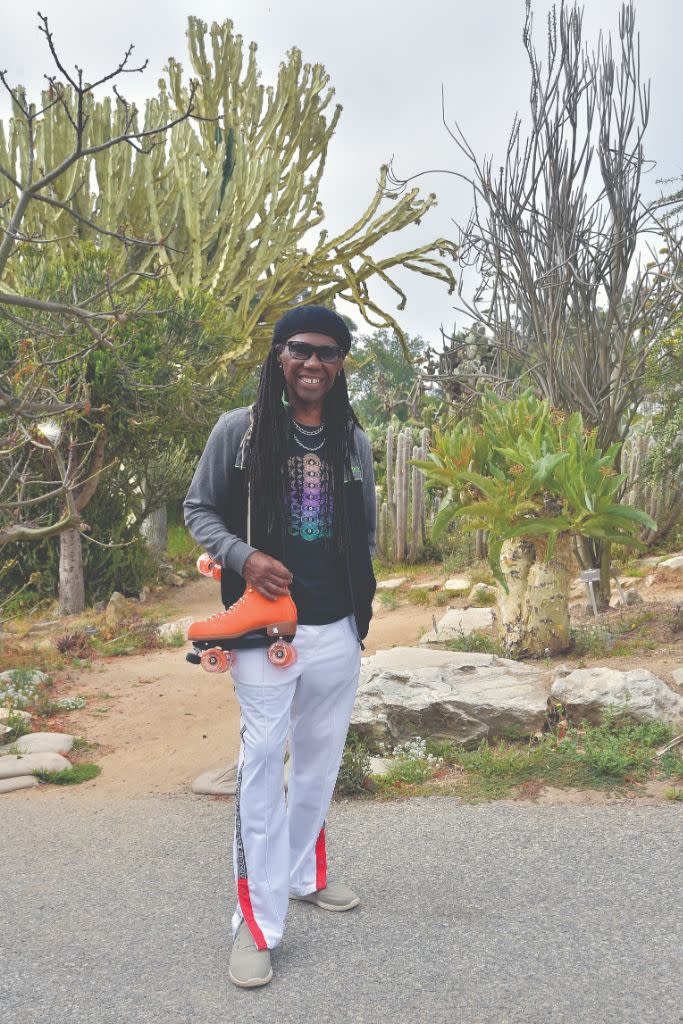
269, 450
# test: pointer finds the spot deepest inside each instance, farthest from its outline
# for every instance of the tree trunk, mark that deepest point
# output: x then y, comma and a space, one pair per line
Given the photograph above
155, 531
604, 589
516, 559
546, 601
71, 581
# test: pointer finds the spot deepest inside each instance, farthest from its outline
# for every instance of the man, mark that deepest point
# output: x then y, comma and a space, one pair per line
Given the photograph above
298, 466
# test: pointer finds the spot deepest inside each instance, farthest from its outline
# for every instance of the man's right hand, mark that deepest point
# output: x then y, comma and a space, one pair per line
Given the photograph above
265, 574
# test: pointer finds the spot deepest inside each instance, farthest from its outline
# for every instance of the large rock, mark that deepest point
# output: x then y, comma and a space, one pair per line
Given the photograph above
119, 608
411, 691
34, 677
585, 692
458, 621
37, 742
678, 676
392, 584
168, 629
18, 782
223, 781
12, 765
6, 712
675, 563
457, 584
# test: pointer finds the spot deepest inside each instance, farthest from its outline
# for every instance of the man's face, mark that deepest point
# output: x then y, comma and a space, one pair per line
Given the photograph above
309, 379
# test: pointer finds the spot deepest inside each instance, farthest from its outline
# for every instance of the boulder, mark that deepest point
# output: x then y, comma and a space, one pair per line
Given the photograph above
678, 676
675, 563
380, 765
18, 782
222, 781
410, 691
426, 585
585, 692
217, 781
631, 597
37, 742
393, 584
34, 678
12, 765
117, 609
457, 621
167, 629
174, 580
6, 712
457, 584
480, 590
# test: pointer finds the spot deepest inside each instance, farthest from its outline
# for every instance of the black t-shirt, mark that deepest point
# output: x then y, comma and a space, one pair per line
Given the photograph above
320, 586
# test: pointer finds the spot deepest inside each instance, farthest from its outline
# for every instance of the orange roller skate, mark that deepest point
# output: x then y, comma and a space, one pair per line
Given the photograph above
252, 621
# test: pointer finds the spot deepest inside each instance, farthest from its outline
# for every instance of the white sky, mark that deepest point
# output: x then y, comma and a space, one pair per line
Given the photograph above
388, 62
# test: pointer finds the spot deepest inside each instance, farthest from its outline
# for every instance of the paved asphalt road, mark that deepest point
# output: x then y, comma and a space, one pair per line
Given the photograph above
491, 914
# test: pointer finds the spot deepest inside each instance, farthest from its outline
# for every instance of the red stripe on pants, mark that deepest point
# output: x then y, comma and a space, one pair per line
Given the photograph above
248, 913
320, 861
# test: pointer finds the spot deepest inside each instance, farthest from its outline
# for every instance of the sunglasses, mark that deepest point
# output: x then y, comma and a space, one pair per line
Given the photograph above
304, 350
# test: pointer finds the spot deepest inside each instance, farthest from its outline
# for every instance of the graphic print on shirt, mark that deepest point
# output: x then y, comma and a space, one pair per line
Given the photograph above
310, 498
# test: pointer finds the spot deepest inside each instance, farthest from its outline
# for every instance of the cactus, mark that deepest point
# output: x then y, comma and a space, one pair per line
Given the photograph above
662, 499
404, 510
225, 203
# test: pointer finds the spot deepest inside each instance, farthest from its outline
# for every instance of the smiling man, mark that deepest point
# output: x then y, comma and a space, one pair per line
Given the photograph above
299, 466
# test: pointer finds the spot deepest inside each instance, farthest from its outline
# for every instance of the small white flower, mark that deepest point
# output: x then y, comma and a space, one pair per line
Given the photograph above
51, 431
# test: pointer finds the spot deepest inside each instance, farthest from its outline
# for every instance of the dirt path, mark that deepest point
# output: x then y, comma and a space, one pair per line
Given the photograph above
161, 722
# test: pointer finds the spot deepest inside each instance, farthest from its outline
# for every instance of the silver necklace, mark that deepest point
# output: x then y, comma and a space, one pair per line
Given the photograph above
308, 431
305, 448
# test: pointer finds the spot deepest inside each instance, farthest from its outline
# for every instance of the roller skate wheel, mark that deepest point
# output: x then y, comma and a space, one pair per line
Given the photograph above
207, 566
281, 654
215, 660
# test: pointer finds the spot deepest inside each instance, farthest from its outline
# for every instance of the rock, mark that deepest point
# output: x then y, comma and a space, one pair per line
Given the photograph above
167, 629
650, 562
6, 712
143, 595
12, 765
37, 742
410, 691
480, 589
174, 580
457, 584
631, 597
675, 563
629, 582
650, 580
457, 621
217, 781
678, 676
577, 591
392, 584
426, 585
223, 781
4, 729
117, 609
34, 678
380, 765
18, 782
585, 692
99, 606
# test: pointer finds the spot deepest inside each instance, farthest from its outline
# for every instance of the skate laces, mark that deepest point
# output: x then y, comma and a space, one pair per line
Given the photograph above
219, 615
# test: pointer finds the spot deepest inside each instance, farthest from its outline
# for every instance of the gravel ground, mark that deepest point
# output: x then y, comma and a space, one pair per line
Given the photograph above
491, 914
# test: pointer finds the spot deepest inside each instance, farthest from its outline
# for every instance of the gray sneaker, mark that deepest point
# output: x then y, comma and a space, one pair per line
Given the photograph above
336, 896
249, 967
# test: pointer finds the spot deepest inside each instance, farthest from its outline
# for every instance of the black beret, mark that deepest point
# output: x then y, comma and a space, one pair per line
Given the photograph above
312, 320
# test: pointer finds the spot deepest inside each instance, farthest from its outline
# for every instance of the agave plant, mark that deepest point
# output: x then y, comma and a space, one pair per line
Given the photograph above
534, 478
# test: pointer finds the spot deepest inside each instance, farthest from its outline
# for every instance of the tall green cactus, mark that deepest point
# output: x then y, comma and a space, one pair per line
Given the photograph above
225, 203
403, 513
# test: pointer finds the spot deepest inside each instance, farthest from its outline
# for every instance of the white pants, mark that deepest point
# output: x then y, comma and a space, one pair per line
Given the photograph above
280, 847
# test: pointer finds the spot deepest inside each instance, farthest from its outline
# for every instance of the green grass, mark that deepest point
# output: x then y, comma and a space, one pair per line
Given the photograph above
619, 637
419, 597
70, 776
483, 598
388, 599
609, 757
476, 643
182, 550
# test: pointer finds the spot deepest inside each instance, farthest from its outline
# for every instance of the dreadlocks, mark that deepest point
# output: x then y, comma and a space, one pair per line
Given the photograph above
269, 450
